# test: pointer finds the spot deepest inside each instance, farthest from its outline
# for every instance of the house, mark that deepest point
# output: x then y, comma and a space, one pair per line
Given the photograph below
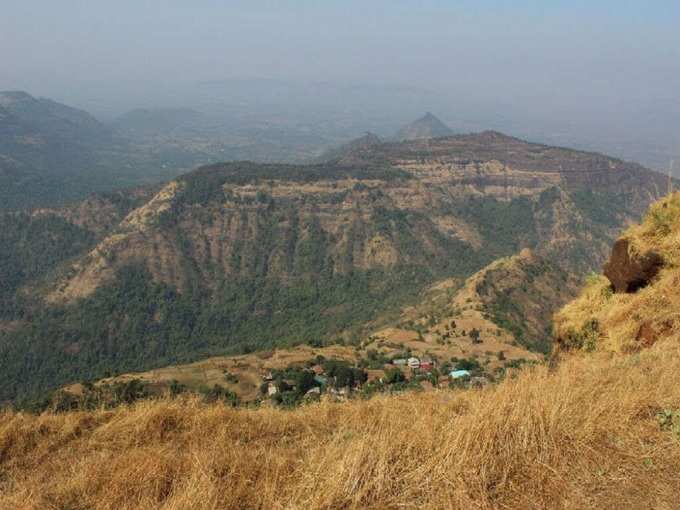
459, 374
426, 364
272, 389
400, 362
414, 363
314, 391
341, 392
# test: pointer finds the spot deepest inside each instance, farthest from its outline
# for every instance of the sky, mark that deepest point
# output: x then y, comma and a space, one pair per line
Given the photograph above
520, 45
547, 58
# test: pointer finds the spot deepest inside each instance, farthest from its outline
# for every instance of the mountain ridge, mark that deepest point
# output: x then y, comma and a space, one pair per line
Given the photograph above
244, 256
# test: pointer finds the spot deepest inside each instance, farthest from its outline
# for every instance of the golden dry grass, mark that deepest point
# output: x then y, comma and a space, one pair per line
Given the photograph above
585, 435
619, 317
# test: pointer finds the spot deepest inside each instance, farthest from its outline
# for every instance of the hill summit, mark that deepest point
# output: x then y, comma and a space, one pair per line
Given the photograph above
427, 126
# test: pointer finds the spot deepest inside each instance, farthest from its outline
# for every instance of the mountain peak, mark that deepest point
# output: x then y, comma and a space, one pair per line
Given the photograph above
428, 126
9, 97
367, 139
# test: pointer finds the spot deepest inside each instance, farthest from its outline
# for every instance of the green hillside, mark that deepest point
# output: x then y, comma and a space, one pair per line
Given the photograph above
241, 256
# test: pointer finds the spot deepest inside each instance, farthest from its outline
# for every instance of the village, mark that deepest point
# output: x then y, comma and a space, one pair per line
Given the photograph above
338, 380
463, 354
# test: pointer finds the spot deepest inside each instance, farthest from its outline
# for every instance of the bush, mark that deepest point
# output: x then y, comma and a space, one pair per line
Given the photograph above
218, 393
470, 364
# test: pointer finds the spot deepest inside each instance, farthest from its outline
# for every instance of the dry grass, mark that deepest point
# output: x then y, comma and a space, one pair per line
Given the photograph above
619, 317
248, 368
583, 436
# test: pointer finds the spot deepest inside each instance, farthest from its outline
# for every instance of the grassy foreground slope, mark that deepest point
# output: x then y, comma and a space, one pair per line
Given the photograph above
625, 321
597, 432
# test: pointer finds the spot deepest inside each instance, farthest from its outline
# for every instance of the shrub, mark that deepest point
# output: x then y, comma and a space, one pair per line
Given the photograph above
394, 376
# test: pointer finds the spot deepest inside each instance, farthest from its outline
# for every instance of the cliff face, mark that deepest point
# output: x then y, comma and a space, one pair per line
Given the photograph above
245, 255
380, 206
533, 163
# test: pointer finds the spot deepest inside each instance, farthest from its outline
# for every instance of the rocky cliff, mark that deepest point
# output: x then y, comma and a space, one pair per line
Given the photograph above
244, 256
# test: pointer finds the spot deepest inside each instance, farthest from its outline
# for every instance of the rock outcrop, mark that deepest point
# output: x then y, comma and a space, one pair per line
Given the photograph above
628, 271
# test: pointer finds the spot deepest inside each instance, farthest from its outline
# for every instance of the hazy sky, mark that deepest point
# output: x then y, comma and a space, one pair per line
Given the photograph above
491, 46
556, 58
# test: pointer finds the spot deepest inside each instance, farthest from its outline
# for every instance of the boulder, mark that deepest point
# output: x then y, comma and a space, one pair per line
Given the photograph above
628, 272
646, 335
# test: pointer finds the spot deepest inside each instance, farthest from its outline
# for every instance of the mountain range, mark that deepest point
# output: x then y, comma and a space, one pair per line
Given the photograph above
236, 257
46, 150
52, 154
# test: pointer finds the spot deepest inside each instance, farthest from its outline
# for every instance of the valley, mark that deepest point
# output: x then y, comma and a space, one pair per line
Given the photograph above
449, 327
483, 229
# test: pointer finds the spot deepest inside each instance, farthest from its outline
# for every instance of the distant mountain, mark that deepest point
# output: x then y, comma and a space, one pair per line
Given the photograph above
47, 151
237, 257
52, 154
162, 122
52, 119
363, 142
427, 126
45, 137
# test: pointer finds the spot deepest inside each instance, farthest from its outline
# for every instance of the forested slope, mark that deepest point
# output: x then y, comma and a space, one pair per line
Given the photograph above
242, 256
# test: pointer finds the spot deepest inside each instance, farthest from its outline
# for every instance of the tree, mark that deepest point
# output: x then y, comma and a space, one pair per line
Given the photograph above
394, 375
470, 364
304, 381
344, 376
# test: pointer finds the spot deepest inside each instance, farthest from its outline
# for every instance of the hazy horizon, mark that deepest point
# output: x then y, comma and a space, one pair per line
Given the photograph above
570, 71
